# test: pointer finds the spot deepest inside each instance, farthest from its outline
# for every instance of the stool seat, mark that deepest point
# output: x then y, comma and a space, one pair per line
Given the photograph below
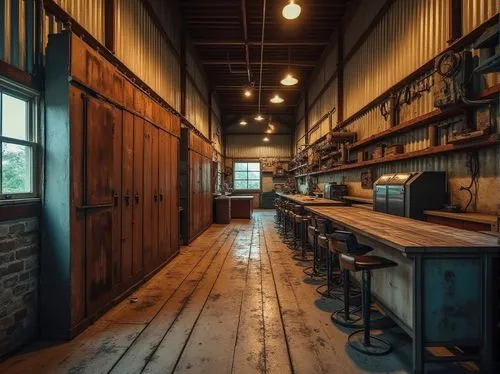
359, 263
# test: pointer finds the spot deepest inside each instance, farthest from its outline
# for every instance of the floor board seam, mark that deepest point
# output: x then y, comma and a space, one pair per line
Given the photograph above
223, 235
201, 309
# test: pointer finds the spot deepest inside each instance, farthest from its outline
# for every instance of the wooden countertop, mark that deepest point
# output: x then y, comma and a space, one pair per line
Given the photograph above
405, 234
310, 200
359, 199
241, 197
472, 217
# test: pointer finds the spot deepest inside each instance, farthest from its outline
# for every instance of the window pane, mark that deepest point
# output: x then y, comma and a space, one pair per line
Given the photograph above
240, 185
16, 169
240, 166
14, 119
254, 185
253, 175
254, 166
240, 175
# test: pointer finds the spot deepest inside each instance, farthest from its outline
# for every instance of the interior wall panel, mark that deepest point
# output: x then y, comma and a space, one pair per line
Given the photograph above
196, 109
475, 12
89, 14
252, 146
409, 34
140, 46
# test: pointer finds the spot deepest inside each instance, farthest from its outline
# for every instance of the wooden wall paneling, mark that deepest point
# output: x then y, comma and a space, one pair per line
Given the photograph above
127, 214
78, 59
77, 260
128, 94
148, 109
156, 198
174, 195
164, 195
118, 87
191, 193
99, 128
139, 101
138, 199
117, 197
148, 198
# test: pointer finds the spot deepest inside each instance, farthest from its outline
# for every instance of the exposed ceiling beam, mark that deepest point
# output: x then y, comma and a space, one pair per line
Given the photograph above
275, 43
309, 64
264, 88
245, 36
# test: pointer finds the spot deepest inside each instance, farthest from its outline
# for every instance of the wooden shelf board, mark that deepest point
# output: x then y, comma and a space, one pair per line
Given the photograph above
471, 217
367, 200
488, 141
426, 119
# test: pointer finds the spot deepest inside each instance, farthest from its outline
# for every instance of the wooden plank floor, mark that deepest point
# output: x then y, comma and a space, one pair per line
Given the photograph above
232, 302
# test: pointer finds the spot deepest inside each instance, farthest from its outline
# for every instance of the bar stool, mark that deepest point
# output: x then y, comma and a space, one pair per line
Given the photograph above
296, 220
331, 265
361, 340
312, 239
344, 242
303, 223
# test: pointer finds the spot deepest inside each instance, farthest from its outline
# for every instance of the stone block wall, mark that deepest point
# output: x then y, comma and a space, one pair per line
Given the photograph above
19, 258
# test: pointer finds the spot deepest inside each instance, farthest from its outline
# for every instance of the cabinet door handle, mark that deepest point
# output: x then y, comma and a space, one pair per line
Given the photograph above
115, 198
155, 197
136, 198
126, 198
161, 195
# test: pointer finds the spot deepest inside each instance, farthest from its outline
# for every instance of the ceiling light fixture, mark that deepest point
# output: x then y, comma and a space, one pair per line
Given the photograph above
289, 80
266, 139
269, 131
258, 117
277, 99
291, 10
247, 93
243, 123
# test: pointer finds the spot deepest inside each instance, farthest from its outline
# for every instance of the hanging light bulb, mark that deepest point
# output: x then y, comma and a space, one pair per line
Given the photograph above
247, 92
269, 131
259, 118
291, 10
289, 80
266, 139
243, 122
277, 99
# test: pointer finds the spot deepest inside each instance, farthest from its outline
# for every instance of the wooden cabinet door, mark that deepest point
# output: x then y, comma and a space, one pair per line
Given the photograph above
100, 138
117, 197
148, 198
164, 161
192, 194
127, 198
174, 195
156, 198
138, 199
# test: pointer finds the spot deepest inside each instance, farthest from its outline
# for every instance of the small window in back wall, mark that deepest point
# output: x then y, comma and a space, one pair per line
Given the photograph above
247, 175
18, 145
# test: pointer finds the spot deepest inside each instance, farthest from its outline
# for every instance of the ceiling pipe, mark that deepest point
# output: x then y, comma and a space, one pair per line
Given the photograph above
245, 36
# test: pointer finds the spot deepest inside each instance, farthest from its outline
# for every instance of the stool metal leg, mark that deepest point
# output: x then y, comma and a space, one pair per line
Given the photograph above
361, 340
344, 316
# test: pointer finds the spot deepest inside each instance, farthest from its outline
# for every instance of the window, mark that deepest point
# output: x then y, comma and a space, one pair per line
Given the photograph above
18, 144
247, 175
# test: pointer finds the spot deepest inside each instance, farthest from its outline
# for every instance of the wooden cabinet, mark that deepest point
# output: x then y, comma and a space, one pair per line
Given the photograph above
111, 203
197, 155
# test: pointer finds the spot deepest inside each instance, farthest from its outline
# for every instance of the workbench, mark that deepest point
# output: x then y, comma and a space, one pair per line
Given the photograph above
309, 200
441, 292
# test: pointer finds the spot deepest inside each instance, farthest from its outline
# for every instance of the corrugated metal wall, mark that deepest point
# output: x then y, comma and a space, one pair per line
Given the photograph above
475, 12
216, 126
252, 146
16, 45
410, 34
140, 46
89, 14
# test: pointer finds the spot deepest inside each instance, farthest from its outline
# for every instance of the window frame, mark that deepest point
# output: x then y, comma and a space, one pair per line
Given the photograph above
32, 135
234, 176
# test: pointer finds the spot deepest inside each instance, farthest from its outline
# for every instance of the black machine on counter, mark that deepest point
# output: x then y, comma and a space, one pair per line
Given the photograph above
334, 191
409, 194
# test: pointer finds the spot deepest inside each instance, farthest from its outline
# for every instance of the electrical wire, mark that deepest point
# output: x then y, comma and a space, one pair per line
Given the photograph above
473, 164
262, 50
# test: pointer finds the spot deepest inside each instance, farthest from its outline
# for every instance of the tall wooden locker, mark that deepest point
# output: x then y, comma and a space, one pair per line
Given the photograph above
110, 208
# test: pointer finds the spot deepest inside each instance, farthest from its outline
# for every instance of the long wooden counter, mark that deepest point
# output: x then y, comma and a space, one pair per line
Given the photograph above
309, 200
441, 292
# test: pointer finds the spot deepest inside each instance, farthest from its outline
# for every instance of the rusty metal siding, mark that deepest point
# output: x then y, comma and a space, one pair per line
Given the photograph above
17, 33
196, 109
168, 14
476, 12
409, 34
252, 146
89, 14
299, 134
142, 48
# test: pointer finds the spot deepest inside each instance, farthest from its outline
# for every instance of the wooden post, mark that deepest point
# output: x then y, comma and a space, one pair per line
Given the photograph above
340, 77
109, 25
455, 20
183, 69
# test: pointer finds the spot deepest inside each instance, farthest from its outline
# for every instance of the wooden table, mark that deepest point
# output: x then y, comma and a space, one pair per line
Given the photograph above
309, 200
441, 292
241, 206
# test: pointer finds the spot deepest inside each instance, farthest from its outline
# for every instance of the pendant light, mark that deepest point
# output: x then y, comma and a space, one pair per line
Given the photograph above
247, 93
291, 10
289, 79
259, 117
243, 122
266, 139
277, 99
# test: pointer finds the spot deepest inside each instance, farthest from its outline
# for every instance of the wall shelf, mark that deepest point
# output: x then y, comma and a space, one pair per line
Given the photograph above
424, 120
487, 141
